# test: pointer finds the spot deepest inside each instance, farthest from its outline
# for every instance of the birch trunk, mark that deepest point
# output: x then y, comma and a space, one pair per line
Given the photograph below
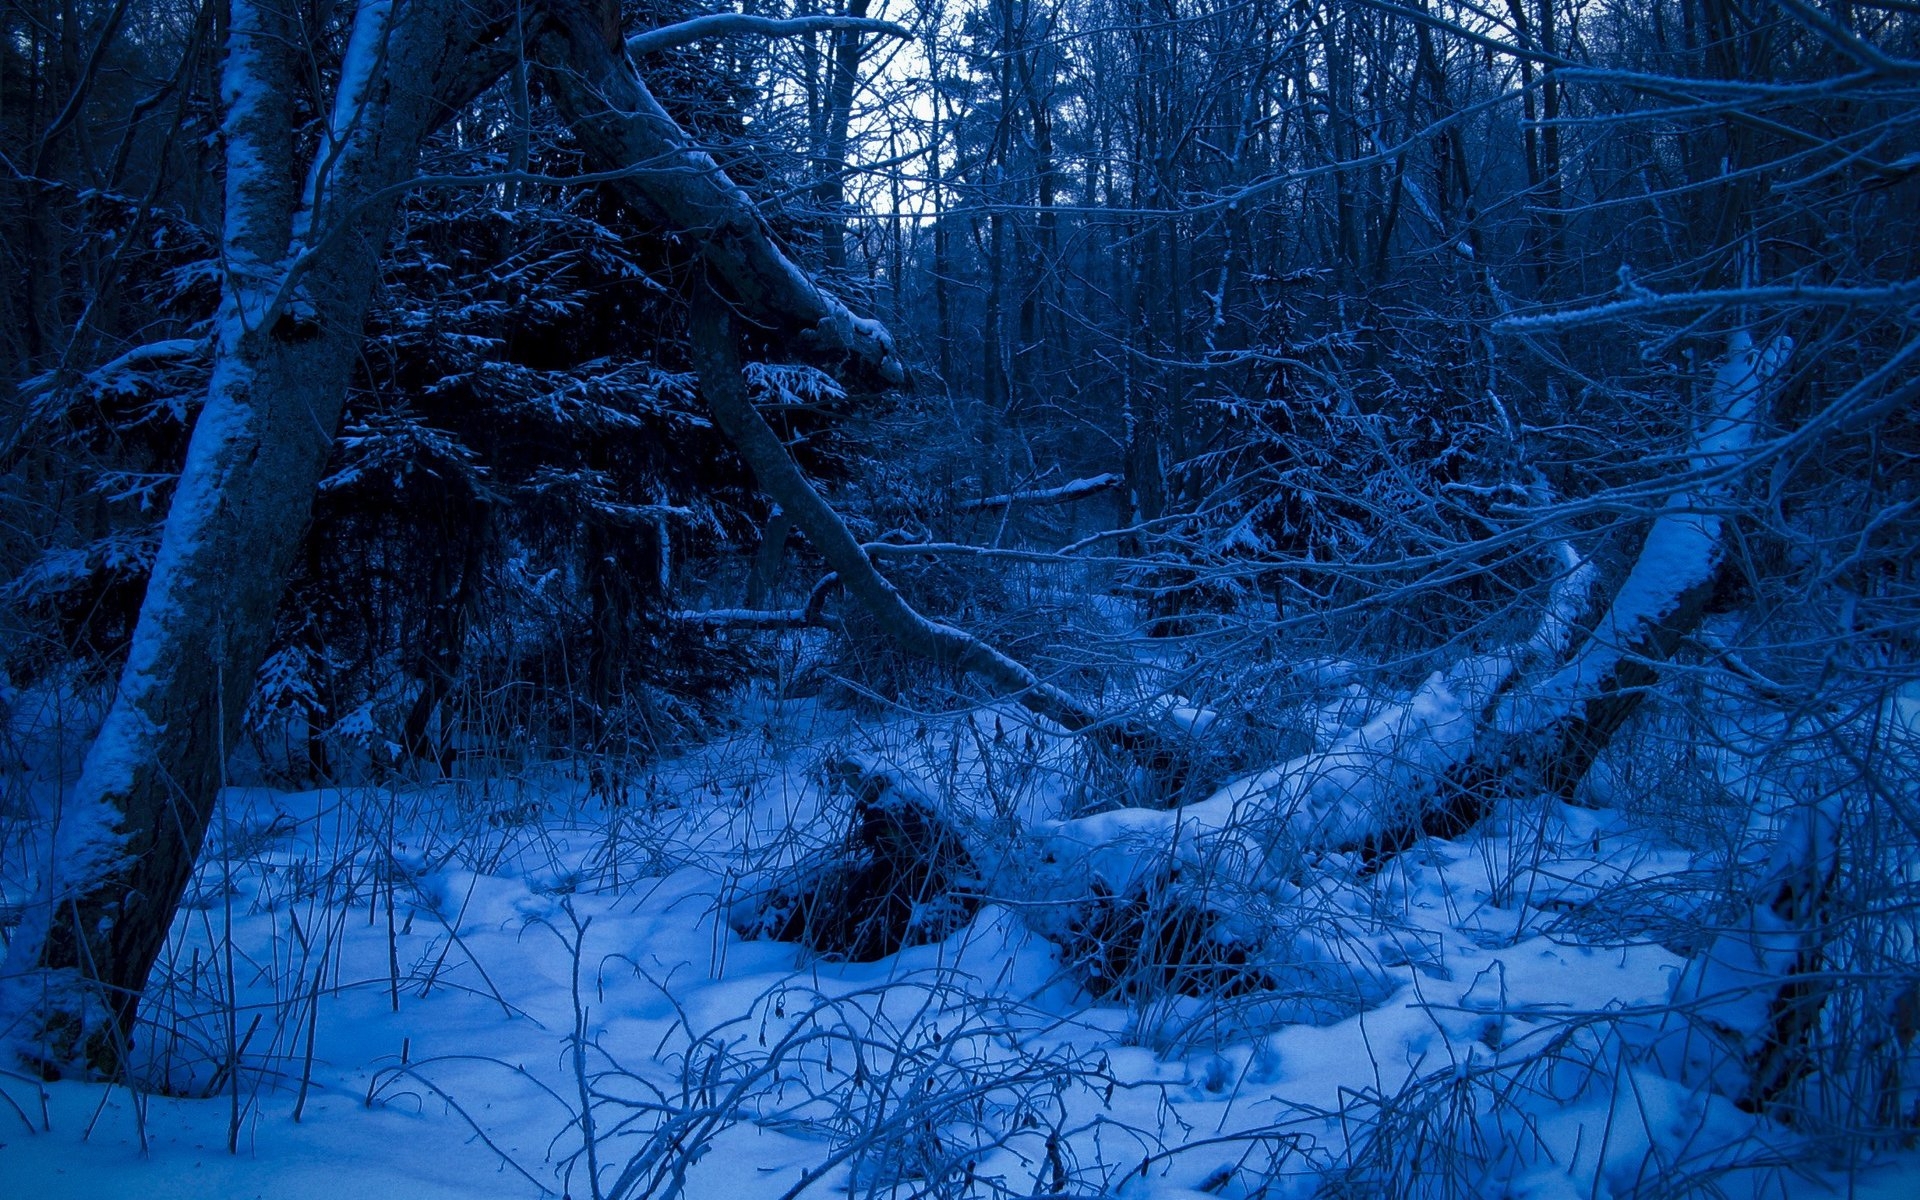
301, 267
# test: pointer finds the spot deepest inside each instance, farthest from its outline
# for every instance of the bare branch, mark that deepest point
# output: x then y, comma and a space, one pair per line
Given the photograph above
722, 25
1066, 493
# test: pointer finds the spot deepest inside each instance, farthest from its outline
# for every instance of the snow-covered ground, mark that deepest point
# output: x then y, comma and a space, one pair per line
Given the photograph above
513, 988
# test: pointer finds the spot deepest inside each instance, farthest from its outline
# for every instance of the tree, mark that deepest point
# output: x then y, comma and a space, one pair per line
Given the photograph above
300, 260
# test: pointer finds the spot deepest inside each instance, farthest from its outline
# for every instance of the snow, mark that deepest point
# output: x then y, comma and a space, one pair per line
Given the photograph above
537, 933
1681, 550
364, 57
1073, 489
1365, 782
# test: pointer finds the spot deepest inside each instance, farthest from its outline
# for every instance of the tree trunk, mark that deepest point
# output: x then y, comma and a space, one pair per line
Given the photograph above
1477, 731
301, 266
717, 360
301, 273
765, 575
585, 68
1544, 736
830, 192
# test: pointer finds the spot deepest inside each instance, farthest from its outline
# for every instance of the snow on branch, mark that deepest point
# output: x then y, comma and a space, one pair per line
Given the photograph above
1373, 786
668, 177
365, 58
1679, 557
723, 25
1066, 493
723, 381
810, 614
1327, 799
1640, 303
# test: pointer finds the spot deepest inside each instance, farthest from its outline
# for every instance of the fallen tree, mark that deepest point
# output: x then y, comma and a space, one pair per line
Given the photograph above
1482, 728
1529, 718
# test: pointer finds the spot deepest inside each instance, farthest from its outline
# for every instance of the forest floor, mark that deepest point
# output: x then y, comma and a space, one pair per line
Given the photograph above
432, 977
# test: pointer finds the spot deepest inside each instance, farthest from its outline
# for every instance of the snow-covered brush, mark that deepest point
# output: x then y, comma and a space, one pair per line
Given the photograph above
1556, 1105
901, 876
909, 1084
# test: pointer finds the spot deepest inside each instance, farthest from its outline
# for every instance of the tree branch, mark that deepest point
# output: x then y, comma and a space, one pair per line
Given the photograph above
1066, 493
717, 361
722, 25
665, 176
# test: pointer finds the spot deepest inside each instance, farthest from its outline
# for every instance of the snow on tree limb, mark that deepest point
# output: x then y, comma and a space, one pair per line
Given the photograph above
723, 25
1066, 493
1324, 799
260, 197
1678, 558
365, 55
1640, 303
663, 173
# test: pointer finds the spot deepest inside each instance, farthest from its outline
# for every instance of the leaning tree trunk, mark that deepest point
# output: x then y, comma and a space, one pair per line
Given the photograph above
1525, 719
585, 67
301, 268
717, 360
1545, 734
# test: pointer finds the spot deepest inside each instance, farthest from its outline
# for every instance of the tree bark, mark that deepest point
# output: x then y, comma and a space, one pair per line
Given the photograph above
667, 178
717, 361
301, 272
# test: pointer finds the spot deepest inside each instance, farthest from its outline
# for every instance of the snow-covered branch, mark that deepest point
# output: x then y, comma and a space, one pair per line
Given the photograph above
1676, 564
809, 615
661, 172
724, 25
1650, 304
365, 58
1066, 493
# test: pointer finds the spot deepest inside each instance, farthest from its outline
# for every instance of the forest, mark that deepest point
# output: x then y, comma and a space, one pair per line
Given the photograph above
1265, 599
